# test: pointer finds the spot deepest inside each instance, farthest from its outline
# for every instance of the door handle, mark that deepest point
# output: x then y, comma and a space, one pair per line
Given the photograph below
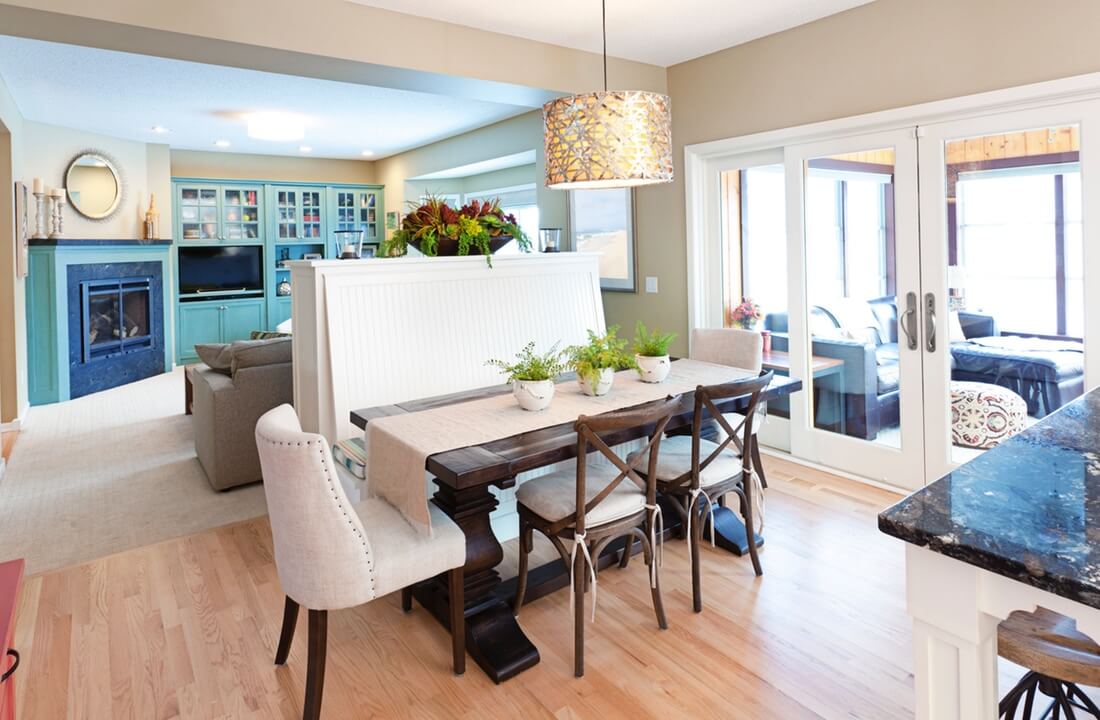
908, 320
930, 322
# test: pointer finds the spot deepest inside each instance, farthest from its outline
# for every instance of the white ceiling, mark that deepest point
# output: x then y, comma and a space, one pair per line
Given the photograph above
652, 31
125, 95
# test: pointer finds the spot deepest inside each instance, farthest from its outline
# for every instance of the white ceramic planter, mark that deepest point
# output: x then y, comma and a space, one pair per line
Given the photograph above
653, 369
603, 383
533, 394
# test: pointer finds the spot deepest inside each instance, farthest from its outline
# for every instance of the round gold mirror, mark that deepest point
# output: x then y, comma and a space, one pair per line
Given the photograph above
93, 185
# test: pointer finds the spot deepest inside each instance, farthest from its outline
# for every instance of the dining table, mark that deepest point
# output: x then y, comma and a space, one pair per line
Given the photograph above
464, 479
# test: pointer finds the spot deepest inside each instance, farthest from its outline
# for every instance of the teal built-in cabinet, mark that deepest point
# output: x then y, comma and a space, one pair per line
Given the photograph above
288, 220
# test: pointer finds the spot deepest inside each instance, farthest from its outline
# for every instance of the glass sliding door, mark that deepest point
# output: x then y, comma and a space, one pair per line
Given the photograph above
854, 334
1004, 238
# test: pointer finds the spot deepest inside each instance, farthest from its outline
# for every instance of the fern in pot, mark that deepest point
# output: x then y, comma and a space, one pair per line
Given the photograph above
651, 353
597, 361
532, 376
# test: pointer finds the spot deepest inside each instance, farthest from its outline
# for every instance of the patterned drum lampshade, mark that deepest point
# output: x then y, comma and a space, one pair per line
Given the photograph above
608, 139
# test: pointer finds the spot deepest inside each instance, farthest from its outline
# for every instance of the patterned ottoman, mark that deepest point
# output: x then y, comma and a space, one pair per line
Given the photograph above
984, 415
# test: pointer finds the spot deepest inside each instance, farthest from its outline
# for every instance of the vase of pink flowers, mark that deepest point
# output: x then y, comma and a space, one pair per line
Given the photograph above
746, 314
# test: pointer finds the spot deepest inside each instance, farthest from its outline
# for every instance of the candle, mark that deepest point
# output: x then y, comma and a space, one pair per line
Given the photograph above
39, 187
56, 192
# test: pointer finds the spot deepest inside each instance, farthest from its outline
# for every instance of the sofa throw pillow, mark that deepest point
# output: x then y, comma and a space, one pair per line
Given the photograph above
266, 335
217, 356
255, 353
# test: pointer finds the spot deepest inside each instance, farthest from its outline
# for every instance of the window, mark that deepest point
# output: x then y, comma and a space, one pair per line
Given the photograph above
763, 237
519, 201
1019, 240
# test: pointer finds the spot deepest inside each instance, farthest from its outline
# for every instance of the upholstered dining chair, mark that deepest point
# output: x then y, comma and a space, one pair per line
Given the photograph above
693, 471
582, 511
740, 349
331, 554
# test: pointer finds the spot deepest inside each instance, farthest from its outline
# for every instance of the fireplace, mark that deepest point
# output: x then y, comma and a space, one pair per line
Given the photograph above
117, 319
116, 324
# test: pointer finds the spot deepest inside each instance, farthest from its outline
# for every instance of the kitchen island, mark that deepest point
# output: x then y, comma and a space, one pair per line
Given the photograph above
1015, 529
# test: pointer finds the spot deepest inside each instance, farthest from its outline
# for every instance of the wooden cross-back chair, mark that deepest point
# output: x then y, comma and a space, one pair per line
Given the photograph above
581, 511
694, 472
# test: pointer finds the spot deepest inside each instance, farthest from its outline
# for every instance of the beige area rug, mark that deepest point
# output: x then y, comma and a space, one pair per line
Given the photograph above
109, 472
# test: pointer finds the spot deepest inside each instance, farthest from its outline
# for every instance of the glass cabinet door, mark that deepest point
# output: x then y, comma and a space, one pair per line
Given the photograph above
240, 213
311, 213
198, 212
368, 215
345, 210
286, 214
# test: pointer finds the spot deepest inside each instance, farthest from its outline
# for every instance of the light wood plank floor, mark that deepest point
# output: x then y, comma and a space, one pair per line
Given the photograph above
188, 628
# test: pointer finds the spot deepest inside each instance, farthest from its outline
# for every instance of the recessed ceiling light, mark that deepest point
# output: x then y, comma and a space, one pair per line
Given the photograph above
305, 148
160, 129
368, 153
276, 127
221, 143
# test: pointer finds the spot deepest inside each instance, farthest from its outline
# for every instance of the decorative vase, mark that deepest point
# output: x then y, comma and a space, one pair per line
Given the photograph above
448, 247
283, 288
766, 338
533, 395
603, 383
653, 369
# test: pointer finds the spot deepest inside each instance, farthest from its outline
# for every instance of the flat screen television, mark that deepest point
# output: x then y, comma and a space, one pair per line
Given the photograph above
221, 269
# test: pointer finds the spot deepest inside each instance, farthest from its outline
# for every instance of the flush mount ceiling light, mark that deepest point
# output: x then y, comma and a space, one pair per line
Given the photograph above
160, 129
305, 148
276, 127
367, 153
221, 143
608, 139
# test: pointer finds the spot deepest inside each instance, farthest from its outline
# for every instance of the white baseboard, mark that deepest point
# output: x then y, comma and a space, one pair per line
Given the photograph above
764, 449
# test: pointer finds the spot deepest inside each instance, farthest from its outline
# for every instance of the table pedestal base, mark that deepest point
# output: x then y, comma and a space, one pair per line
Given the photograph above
493, 637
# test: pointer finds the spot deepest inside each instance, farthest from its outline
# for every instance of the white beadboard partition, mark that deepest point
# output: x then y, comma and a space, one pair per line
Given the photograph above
374, 332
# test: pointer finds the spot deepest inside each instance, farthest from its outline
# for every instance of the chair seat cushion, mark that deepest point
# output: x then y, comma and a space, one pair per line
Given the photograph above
674, 459
553, 497
402, 555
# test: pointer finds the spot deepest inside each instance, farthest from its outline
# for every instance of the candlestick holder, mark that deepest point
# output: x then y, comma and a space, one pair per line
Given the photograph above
58, 218
39, 216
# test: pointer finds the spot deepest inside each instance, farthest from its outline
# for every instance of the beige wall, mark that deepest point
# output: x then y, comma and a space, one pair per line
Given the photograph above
287, 36
47, 152
239, 166
890, 53
508, 137
13, 322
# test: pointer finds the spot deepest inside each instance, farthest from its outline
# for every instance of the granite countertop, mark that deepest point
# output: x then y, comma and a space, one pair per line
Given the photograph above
1028, 509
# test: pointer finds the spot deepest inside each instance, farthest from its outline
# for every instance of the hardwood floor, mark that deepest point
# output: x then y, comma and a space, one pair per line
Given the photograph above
188, 628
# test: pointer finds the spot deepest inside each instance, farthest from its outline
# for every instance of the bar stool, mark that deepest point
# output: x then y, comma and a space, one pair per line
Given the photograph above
1058, 658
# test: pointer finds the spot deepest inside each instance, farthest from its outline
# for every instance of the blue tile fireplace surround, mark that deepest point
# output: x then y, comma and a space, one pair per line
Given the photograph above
96, 315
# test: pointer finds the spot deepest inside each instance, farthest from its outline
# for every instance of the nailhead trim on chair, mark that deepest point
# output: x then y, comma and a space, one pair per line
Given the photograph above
339, 504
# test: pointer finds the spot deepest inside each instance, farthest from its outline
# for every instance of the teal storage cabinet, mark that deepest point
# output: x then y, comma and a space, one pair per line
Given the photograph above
290, 221
217, 321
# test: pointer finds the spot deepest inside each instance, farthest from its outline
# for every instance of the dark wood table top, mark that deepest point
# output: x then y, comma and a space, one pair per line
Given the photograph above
498, 462
781, 360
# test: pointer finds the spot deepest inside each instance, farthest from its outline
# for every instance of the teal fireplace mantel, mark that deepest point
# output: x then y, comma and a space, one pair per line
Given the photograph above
48, 305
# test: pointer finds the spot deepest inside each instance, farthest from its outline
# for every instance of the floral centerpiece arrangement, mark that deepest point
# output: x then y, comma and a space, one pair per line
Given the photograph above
435, 228
532, 375
746, 314
597, 361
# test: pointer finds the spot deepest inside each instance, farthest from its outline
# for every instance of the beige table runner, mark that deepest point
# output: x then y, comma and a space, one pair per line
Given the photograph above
398, 446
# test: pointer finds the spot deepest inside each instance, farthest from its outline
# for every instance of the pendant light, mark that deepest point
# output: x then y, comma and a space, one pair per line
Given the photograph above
608, 139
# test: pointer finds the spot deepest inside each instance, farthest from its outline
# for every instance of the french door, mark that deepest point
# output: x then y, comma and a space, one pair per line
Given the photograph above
855, 257
926, 283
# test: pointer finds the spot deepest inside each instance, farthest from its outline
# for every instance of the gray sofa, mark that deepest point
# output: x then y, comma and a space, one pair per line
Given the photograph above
226, 406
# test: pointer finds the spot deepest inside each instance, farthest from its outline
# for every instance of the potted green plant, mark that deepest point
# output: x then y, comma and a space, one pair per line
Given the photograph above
532, 376
597, 361
651, 353
435, 228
